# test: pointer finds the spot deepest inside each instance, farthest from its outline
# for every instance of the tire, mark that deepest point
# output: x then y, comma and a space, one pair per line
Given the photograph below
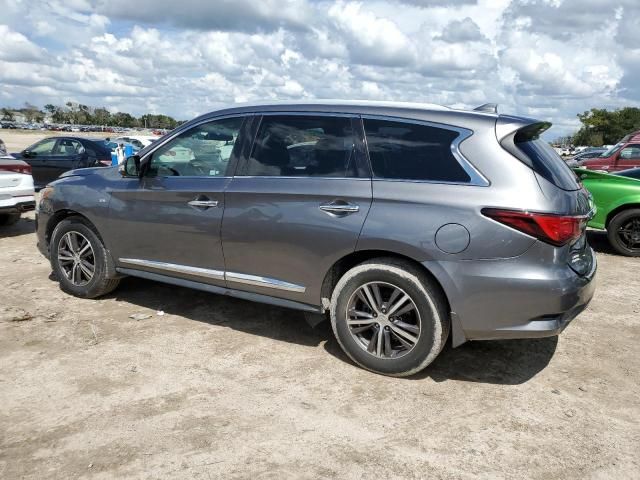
622, 243
7, 219
427, 310
83, 286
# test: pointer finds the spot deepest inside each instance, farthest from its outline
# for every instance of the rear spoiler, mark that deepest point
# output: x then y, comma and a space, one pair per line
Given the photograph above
517, 129
507, 125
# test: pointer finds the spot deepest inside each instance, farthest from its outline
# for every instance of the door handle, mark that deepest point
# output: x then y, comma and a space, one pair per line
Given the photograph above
339, 208
203, 203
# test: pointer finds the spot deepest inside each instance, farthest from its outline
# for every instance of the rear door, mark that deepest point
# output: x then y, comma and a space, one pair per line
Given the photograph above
168, 222
296, 204
629, 157
67, 155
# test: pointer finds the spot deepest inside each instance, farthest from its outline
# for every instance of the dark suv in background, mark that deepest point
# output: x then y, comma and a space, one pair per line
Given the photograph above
407, 223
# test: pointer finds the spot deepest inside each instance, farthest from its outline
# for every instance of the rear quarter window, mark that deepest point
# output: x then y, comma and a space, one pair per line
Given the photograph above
529, 148
411, 151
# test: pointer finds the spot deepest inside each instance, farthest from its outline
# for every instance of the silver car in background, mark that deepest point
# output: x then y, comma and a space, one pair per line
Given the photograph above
407, 224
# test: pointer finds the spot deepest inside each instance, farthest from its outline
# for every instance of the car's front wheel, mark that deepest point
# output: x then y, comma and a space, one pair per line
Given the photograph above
80, 260
624, 232
389, 317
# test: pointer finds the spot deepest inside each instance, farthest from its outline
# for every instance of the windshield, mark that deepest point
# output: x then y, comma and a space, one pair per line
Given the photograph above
613, 150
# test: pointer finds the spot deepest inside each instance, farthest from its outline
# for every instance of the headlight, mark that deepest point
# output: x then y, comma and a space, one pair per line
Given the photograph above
46, 192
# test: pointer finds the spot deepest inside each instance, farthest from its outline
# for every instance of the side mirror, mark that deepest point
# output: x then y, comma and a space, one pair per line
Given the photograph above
130, 167
28, 154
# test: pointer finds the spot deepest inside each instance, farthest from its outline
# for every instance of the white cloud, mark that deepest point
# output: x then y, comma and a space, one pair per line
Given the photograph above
15, 47
546, 58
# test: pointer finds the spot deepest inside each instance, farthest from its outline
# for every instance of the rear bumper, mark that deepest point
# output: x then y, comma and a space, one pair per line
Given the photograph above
523, 297
17, 204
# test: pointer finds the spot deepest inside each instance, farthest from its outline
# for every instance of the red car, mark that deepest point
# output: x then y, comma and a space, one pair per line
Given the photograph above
623, 155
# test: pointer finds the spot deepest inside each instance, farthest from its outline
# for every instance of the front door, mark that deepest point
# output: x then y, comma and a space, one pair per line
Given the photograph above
296, 205
168, 222
38, 156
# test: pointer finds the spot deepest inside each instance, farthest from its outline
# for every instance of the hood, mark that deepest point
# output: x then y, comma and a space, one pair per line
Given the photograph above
83, 172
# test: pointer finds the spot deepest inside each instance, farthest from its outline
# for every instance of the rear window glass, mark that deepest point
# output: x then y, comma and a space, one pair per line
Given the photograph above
409, 151
543, 159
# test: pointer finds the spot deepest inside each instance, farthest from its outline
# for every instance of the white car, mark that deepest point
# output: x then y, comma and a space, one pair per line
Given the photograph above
138, 141
17, 195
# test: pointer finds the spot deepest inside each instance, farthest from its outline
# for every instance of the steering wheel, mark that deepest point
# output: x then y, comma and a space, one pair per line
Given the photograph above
199, 168
173, 171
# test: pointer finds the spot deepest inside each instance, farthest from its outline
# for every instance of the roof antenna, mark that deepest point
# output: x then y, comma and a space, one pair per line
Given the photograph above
487, 108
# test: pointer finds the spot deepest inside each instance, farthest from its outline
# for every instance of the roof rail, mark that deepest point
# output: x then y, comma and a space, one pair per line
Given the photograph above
487, 108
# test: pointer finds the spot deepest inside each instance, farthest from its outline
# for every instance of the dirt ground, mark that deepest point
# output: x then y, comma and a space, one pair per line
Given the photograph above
215, 387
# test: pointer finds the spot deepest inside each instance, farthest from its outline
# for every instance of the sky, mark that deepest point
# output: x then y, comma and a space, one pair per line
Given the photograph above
547, 59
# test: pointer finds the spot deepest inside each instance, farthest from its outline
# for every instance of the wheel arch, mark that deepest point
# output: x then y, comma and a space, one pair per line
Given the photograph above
65, 213
61, 215
619, 209
344, 264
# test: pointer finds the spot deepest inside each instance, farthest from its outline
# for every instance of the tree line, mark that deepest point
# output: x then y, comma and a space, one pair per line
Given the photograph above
79, 114
606, 127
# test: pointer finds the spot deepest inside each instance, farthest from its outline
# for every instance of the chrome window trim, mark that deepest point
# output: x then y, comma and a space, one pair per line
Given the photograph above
307, 114
263, 282
476, 178
366, 179
173, 267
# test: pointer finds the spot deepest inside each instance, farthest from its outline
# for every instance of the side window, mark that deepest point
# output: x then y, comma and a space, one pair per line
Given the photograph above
303, 146
45, 147
67, 148
410, 151
203, 151
630, 152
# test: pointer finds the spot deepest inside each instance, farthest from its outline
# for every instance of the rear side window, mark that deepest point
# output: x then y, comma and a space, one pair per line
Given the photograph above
410, 151
543, 159
68, 148
303, 146
630, 152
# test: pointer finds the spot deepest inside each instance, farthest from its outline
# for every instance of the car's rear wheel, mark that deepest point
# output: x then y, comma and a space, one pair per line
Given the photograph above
389, 317
624, 232
80, 260
7, 219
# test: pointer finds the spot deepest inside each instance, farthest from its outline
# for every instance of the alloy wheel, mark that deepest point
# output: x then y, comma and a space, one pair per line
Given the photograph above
76, 258
383, 319
629, 234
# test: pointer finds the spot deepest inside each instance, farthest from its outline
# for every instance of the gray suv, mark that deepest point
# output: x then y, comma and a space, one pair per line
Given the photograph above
406, 223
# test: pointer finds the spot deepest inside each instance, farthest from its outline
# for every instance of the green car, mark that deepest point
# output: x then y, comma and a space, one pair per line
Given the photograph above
617, 200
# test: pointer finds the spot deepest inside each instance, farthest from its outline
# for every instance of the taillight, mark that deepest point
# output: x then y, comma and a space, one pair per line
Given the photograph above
557, 230
16, 167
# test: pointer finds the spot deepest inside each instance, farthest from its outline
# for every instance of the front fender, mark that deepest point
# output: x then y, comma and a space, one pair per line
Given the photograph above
627, 201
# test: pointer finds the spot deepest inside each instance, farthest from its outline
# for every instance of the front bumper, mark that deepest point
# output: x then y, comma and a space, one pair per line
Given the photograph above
523, 297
